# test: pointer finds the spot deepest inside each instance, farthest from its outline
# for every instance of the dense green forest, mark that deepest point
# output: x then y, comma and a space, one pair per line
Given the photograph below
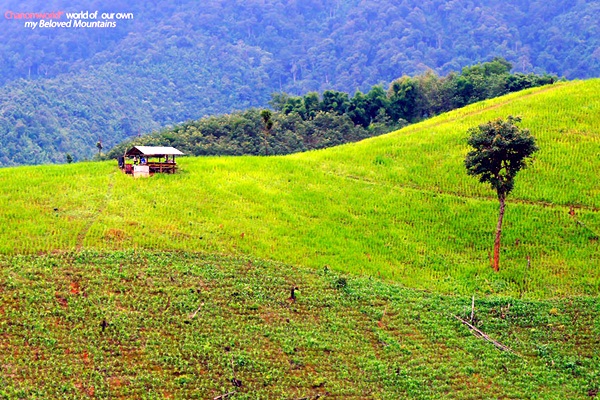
65, 89
312, 121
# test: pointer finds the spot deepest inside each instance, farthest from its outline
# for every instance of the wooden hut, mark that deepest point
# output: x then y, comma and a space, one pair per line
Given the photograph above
148, 160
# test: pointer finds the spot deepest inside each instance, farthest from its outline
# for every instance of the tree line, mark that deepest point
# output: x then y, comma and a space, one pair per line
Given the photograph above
314, 121
410, 99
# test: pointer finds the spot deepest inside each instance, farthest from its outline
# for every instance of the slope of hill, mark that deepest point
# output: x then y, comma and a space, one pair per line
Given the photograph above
399, 206
181, 286
63, 89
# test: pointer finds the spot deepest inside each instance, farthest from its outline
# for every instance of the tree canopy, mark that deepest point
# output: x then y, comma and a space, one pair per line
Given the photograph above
501, 150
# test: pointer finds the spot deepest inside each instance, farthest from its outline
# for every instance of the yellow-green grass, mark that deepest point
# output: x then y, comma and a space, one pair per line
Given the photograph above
398, 206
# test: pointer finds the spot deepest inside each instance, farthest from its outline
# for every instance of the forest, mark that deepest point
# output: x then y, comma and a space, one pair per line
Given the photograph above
312, 121
62, 91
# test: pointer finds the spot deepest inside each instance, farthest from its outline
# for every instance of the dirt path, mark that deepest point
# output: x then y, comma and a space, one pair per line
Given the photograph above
82, 235
462, 195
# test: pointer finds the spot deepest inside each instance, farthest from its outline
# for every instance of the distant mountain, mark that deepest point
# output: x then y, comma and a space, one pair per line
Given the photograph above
63, 89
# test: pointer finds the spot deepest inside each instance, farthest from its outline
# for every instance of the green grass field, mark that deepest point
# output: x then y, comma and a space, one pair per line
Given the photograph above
399, 206
386, 239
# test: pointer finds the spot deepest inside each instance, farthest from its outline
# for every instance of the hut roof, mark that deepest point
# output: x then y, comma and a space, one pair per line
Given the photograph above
153, 151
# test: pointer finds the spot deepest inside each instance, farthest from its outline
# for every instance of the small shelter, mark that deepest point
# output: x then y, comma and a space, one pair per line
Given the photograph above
148, 160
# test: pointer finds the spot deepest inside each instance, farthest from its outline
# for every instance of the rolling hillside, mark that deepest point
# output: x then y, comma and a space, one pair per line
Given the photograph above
400, 206
181, 286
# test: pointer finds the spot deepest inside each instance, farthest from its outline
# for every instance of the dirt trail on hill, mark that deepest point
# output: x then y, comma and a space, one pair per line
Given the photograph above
462, 195
82, 235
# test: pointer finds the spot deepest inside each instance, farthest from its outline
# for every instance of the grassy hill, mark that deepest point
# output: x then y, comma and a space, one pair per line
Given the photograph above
400, 206
179, 286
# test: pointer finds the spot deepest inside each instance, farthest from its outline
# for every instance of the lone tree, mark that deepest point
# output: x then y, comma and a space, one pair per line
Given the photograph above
500, 150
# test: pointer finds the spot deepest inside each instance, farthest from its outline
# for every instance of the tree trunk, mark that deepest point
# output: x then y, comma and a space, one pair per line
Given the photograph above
502, 199
266, 142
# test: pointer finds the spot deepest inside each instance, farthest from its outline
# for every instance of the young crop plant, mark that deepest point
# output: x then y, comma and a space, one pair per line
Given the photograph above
500, 151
